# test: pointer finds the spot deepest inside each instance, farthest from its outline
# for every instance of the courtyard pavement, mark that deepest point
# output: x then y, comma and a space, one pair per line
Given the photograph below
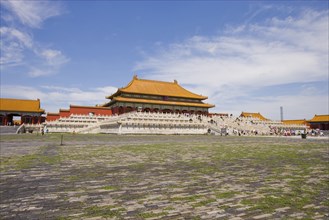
163, 177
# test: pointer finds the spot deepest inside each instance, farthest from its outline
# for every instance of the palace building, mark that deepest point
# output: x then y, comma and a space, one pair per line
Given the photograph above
18, 111
320, 122
156, 96
296, 122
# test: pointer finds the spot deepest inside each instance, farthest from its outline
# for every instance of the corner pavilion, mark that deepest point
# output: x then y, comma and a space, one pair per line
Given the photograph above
156, 96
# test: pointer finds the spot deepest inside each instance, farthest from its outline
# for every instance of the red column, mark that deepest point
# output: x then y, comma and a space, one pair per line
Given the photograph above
5, 119
115, 110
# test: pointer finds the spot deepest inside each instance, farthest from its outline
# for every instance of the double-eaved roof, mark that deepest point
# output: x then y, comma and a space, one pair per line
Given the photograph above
20, 105
158, 88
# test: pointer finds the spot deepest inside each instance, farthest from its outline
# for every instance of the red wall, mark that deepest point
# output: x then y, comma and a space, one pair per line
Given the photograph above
64, 113
78, 110
52, 116
85, 110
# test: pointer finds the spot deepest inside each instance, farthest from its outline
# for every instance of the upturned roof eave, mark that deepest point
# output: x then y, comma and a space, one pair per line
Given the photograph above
319, 118
141, 93
136, 80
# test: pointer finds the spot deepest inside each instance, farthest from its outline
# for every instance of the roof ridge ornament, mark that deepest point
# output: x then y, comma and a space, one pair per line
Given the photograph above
175, 81
135, 76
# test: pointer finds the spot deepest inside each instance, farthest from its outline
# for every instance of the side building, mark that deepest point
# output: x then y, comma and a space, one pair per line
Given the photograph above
319, 122
156, 96
19, 111
296, 122
255, 115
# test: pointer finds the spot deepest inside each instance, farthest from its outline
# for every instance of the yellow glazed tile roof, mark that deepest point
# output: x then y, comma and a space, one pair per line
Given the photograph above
20, 105
295, 122
320, 118
123, 99
160, 88
253, 115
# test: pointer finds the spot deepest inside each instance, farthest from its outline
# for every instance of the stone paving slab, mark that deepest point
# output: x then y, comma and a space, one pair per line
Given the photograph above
163, 177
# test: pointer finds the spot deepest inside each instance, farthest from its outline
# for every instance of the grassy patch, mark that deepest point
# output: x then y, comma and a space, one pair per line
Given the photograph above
62, 218
104, 211
28, 161
83, 175
226, 195
203, 203
110, 188
269, 203
151, 214
224, 207
169, 208
326, 203
187, 198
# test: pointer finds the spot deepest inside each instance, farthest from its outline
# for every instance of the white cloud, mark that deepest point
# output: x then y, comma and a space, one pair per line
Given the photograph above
109, 90
33, 13
54, 97
52, 61
309, 32
16, 35
61, 89
25, 92
18, 47
229, 66
54, 57
36, 72
13, 43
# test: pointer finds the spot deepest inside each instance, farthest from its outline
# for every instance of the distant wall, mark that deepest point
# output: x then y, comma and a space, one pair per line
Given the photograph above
52, 116
85, 110
64, 112
78, 110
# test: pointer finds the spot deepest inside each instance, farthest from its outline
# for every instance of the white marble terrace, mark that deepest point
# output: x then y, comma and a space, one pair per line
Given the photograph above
165, 123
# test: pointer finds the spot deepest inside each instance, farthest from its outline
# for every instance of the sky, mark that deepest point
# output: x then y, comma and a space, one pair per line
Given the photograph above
251, 56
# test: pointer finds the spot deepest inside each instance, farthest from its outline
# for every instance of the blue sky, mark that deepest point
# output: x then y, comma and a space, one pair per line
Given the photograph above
244, 55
